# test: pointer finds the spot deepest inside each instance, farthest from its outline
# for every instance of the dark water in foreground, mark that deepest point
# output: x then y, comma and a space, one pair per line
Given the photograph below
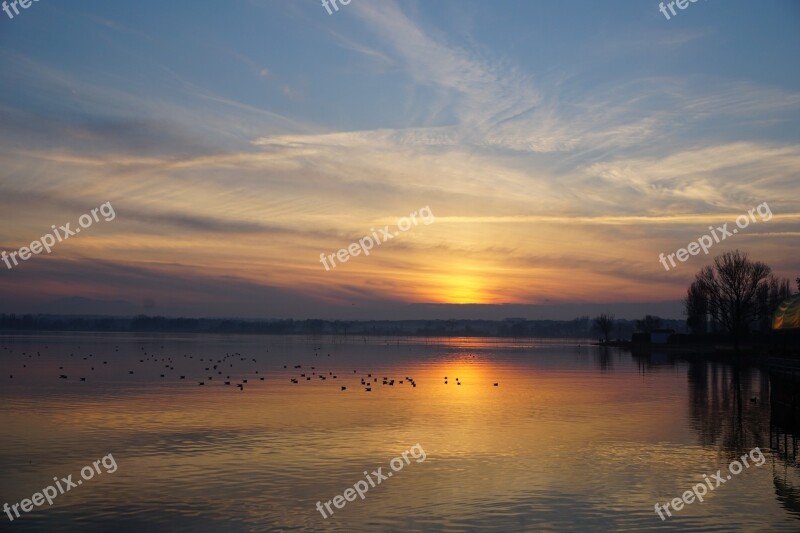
571, 439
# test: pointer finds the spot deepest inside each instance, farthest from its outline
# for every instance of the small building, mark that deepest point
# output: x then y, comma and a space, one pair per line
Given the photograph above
786, 328
787, 315
661, 336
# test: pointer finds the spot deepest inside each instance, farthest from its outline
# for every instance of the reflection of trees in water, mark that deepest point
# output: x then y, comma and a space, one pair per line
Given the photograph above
728, 406
724, 414
788, 492
648, 359
604, 359
784, 429
736, 408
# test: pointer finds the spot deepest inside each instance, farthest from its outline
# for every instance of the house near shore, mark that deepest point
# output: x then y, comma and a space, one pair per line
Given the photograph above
787, 315
661, 336
656, 336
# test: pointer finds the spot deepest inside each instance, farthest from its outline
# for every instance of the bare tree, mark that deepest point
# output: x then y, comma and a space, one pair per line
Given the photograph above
696, 305
605, 323
731, 287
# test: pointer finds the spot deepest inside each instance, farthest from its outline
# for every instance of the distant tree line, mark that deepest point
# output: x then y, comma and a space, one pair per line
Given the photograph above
578, 328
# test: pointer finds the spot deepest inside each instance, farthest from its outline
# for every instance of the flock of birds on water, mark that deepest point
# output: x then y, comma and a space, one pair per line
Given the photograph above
217, 369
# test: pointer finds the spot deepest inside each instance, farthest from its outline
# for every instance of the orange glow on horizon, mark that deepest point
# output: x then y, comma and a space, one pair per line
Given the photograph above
459, 289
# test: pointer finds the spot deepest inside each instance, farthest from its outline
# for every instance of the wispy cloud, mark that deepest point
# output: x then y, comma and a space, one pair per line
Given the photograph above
552, 178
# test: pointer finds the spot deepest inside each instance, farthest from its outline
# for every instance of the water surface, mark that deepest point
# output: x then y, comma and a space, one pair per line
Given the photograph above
572, 437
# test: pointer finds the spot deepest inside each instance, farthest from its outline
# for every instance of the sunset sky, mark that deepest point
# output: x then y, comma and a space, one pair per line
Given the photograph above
561, 146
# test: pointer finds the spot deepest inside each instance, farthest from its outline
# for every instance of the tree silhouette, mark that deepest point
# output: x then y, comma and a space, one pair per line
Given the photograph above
731, 287
605, 323
696, 305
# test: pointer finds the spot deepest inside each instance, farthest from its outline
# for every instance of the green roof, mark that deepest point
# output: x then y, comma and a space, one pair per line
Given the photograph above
787, 315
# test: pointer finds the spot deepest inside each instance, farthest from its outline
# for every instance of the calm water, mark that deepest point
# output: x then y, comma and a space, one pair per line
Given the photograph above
570, 439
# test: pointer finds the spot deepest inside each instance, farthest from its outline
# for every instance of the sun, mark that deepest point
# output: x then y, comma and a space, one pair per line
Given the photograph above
460, 289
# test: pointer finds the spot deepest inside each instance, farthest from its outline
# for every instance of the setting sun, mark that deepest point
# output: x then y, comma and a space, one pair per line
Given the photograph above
459, 289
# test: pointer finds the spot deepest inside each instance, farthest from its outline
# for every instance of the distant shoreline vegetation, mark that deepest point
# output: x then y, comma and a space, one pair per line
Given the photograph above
578, 328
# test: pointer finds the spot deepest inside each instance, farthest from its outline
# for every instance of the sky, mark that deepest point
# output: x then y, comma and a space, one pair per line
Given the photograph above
559, 148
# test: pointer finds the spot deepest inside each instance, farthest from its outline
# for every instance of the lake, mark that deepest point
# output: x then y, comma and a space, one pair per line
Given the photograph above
572, 438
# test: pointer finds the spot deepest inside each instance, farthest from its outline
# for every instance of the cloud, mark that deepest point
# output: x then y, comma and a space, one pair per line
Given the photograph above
717, 177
